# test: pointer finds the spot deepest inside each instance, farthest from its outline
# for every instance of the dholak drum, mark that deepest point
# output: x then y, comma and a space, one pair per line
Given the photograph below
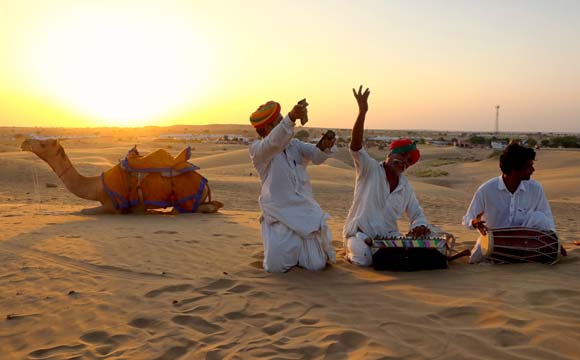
517, 245
405, 253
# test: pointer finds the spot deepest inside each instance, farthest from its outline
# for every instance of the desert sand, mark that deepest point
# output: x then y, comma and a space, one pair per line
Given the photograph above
162, 286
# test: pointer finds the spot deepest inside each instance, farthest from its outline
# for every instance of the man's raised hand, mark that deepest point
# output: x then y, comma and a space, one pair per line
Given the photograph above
299, 111
362, 98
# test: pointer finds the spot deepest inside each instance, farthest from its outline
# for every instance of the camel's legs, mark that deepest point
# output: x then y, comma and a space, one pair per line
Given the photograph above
210, 207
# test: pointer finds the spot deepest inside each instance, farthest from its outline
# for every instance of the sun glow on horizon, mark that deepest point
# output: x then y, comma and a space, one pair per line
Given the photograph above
120, 68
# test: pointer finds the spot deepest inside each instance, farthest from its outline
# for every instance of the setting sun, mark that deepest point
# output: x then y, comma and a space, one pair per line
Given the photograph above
120, 68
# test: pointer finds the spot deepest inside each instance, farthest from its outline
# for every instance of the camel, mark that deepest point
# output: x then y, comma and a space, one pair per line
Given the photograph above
93, 188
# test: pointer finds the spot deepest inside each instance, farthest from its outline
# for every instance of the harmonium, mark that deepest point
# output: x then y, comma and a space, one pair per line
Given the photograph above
408, 253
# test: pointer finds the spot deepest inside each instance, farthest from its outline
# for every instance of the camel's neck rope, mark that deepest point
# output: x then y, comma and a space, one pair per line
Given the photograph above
69, 165
65, 170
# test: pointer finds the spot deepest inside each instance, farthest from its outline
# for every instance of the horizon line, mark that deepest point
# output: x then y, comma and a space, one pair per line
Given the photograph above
298, 127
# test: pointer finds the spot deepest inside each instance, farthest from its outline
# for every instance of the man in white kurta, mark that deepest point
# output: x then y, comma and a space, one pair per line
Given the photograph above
525, 205
382, 194
294, 230
375, 209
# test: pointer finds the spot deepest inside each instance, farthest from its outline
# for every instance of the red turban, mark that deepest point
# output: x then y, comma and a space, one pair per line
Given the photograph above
405, 145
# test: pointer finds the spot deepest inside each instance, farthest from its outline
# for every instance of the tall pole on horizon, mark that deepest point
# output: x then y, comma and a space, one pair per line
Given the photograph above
497, 119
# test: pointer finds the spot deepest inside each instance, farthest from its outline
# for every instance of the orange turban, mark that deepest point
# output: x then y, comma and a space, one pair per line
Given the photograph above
265, 114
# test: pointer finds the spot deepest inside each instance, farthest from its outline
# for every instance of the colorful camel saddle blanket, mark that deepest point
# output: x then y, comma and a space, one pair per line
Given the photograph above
157, 180
407, 253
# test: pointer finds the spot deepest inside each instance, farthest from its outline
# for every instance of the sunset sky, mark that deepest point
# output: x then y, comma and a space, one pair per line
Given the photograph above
430, 64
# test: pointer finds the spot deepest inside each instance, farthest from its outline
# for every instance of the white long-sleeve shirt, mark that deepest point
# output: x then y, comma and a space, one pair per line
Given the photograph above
504, 209
375, 209
286, 193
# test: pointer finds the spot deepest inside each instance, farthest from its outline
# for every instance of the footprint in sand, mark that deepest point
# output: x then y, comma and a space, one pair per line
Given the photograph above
309, 321
170, 232
258, 294
345, 342
96, 337
196, 323
238, 289
294, 309
104, 343
144, 323
196, 309
274, 328
551, 296
236, 315
468, 313
259, 319
61, 351
188, 301
506, 337
169, 289
219, 285
176, 352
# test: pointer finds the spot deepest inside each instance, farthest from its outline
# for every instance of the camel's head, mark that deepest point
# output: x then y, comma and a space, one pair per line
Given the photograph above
44, 148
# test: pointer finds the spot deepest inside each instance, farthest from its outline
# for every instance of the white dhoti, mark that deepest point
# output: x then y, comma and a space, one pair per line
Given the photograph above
284, 248
534, 220
357, 251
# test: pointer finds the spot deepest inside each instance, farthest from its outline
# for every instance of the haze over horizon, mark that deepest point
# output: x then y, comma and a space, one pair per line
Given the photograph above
430, 65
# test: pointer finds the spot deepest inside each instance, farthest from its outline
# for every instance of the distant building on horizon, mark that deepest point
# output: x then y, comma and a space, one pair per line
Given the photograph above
498, 145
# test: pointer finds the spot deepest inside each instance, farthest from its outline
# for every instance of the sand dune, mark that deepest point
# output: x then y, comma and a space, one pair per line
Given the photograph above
191, 286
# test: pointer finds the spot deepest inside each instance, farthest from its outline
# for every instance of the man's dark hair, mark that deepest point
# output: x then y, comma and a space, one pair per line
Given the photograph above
261, 131
515, 157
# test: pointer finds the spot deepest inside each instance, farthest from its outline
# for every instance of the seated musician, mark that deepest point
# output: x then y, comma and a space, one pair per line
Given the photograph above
294, 229
381, 194
512, 199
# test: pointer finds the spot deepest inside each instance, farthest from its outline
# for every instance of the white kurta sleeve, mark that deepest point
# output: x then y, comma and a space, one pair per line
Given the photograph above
313, 154
414, 211
544, 207
477, 206
362, 161
274, 143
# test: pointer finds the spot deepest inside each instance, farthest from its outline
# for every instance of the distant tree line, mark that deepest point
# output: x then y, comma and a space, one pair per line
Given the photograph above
568, 141
480, 140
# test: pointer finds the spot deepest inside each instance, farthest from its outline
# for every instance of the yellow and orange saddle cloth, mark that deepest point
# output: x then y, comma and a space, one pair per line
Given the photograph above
157, 180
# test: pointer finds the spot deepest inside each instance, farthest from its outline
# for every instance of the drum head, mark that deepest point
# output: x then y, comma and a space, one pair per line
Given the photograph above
486, 243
